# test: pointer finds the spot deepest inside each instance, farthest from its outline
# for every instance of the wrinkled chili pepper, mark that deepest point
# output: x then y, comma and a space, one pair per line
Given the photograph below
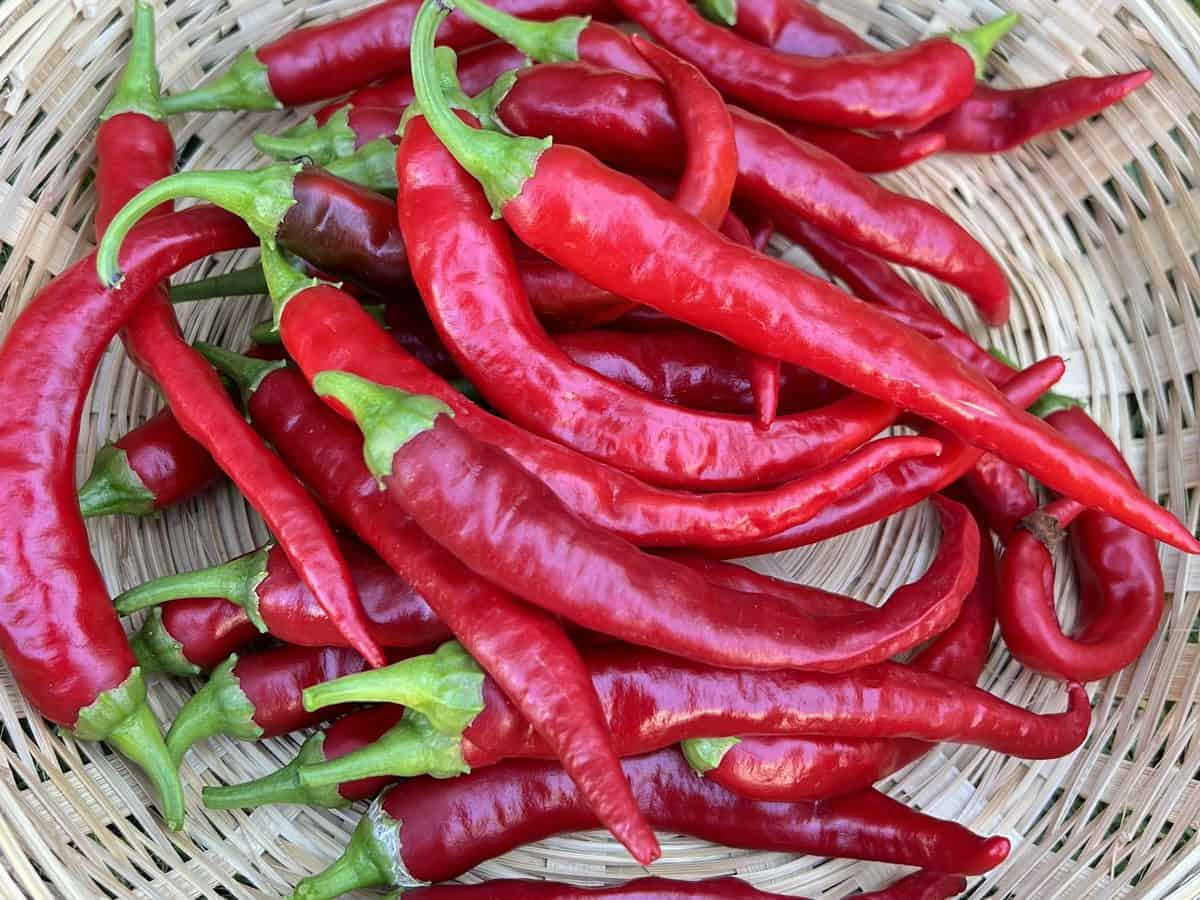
869, 152
559, 201
430, 829
322, 61
484, 507
1120, 580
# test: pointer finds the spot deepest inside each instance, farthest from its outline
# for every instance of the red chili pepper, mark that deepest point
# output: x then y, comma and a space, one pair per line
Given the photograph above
918, 886
1003, 495
322, 61
627, 121
430, 829
608, 228
1120, 580
273, 599
869, 152
796, 26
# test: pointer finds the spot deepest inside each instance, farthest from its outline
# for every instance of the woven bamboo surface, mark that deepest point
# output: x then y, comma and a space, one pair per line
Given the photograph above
1099, 230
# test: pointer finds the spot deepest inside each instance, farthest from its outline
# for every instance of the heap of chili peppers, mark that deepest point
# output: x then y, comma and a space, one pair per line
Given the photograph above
541, 575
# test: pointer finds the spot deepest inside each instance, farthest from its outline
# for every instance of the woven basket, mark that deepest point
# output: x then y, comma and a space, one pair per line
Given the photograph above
1098, 230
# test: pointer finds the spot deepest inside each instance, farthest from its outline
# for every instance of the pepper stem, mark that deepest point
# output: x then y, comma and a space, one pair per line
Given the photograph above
236, 581
502, 164
266, 333
281, 786
388, 418
220, 707
261, 197
723, 12
545, 42
373, 165
446, 686
371, 859
239, 283
979, 42
137, 91
113, 488
284, 281
157, 650
246, 373
319, 144
245, 85
411, 747
705, 754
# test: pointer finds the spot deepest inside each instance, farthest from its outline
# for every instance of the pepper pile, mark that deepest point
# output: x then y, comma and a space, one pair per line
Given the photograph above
520, 609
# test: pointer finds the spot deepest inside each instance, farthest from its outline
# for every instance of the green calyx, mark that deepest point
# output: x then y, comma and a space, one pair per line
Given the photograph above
138, 89
266, 333
246, 373
388, 418
372, 859
411, 747
113, 488
220, 707
445, 686
281, 786
157, 650
979, 42
262, 198
245, 282
284, 280
373, 165
245, 85
308, 141
501, 163
705, 754
236, 581
121, 718
722, 12
544, 42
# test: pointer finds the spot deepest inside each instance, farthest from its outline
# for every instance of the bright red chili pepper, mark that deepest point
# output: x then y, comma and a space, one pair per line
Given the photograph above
796, 26
608, 228
430, 829
1120, 580
323, 61
869, 152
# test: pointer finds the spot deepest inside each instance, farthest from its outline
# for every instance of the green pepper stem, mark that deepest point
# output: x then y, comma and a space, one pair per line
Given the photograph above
266, 333
220, 707
979, 42
368, 860
388, 418
722, 12
245, 373
137, 91
281, 786
373, 165
705, 754
239, 283
139, 739
284, 280
113, 488
246, 85
502, 164
157, 650
261, 197
318, 144
545, 42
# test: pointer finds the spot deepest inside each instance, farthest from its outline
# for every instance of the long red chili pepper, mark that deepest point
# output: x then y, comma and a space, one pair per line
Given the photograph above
1120, 580
266, 589
427, 829
869, 152
489, 511
323, 61
559, 200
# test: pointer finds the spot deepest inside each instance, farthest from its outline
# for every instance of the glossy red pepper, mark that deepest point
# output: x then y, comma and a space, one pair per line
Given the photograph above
606, 227
489, 511
1120, 580
1003, 494
428, 829
869, 152
323, 61
796, 26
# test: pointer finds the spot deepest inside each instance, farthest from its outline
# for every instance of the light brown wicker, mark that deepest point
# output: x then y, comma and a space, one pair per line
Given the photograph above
1099, 230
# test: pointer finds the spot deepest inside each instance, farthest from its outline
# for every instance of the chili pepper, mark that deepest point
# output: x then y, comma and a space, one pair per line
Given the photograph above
606, 227
627, 121
739, 578
549, 684
427, 829
149, 468
322, 61
1120, 580
267, 588
188, 637
898, 90
918, 886
869, 152
473, 297
1002, 494
796, 26
578, 569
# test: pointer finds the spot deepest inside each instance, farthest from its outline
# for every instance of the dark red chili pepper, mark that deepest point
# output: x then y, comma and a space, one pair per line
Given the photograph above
627, 121
869, 152
322, 61
1002, 493
812, 600
796, 26
149, 468
430, 829
484, 507
188, 637
1120, 580
608, 228
275, 601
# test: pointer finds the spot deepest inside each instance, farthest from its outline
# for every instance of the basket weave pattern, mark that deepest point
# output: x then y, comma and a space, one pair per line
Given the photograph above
1099, 231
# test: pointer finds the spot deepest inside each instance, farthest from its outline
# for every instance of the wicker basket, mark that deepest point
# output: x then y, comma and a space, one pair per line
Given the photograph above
1098, 230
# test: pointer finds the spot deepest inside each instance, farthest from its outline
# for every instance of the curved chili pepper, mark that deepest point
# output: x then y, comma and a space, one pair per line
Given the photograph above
484, 507
271, 596
428, 829
474, 299
606, 227
188, 637
627, 121
1003, 495
149, 468
796, 26
322, 61
869, 152
1120, 581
